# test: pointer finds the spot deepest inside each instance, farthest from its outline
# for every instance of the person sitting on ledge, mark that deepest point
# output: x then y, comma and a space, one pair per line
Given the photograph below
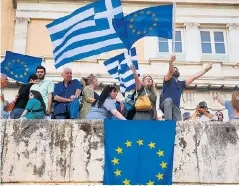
105, 107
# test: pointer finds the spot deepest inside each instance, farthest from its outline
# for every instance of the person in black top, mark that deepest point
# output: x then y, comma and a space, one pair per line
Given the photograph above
22, 97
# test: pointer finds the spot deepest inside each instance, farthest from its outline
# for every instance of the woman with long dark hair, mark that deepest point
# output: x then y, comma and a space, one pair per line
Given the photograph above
35, 108
105, 107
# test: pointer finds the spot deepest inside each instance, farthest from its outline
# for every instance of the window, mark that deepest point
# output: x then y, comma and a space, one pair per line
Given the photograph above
213, 42
166, 45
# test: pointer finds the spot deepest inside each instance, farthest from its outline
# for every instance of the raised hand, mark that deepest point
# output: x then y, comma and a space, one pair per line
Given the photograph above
173, 58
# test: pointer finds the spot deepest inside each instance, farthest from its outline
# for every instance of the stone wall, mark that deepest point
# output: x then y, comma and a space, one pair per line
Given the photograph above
72, 151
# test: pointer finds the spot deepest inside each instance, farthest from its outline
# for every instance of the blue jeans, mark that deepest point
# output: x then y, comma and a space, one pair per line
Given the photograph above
16, 113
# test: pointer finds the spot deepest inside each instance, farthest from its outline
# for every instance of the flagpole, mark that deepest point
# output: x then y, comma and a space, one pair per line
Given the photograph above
174, 25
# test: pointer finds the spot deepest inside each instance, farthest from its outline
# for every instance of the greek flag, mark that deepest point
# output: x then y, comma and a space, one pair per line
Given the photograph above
86, 32
119, 68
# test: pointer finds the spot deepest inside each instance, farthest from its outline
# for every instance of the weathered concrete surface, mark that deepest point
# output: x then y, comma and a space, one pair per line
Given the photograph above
73, 152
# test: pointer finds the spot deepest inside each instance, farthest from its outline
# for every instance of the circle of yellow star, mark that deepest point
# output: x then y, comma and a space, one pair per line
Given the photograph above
163, 165
119, 150
160, 153
126, 182
159, 176
140, 142
150, 182
128, 143
115, 161
117, 172
151, 145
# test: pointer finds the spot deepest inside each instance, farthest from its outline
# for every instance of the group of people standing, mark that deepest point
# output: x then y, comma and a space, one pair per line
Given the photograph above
71, 98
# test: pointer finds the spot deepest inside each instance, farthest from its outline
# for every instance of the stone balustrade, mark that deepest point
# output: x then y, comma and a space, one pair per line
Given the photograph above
72, 151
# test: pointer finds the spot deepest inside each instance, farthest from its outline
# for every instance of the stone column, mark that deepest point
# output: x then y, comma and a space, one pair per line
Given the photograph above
233, 38
192, 42
20, 35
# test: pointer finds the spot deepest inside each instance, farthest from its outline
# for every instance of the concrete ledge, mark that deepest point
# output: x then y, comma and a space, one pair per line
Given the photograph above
72, 151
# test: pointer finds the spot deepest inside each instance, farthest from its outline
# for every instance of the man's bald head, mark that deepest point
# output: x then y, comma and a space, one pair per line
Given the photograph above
4, 80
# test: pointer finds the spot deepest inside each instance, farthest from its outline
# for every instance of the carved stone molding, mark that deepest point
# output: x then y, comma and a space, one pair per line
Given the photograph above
22, 20
191, 25
233, 26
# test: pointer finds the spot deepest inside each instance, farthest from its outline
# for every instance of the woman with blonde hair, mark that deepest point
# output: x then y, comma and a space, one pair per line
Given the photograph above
146, 87
235, 104
91, 83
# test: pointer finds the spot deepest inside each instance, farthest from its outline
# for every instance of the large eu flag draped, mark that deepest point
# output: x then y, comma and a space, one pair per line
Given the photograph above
139, 152
19, 67
154, 21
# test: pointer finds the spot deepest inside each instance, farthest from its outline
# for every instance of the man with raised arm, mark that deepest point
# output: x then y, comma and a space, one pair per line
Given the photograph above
173, 89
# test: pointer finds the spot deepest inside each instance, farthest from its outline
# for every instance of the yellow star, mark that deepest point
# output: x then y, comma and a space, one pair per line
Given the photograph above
6, 68
18, 60
117, 172
144, 32
119, 150
148, 12
25, 73
22, 62
131, 20
159, 176
25, 65
163, 165
155, 24
115, 161
142, 12
27, 69
135, 15
156, 19
150, 182
151, 145
21, 76
150, 28
11, 73
126, 182
133, 30
16, 76
9, 64
138, 32
131, 26
128, 143
140, 142
13, 61
153, 15
160, 153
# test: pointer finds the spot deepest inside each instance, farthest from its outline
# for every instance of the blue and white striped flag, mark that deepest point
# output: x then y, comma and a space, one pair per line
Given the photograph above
119, 68
86, 32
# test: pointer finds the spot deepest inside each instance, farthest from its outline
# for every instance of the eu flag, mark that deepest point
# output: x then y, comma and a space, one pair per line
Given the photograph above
139, 152
153, 21
19, 67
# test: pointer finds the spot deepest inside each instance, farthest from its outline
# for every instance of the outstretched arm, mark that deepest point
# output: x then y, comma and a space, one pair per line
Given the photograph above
220, 99
171, 68
198, 75
136, 77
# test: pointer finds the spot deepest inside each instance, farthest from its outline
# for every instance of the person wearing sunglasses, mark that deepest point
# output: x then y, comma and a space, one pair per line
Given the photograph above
219, 115
173, 89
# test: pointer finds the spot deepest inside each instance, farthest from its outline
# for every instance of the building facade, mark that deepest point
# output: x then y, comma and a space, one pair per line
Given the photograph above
206, 31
